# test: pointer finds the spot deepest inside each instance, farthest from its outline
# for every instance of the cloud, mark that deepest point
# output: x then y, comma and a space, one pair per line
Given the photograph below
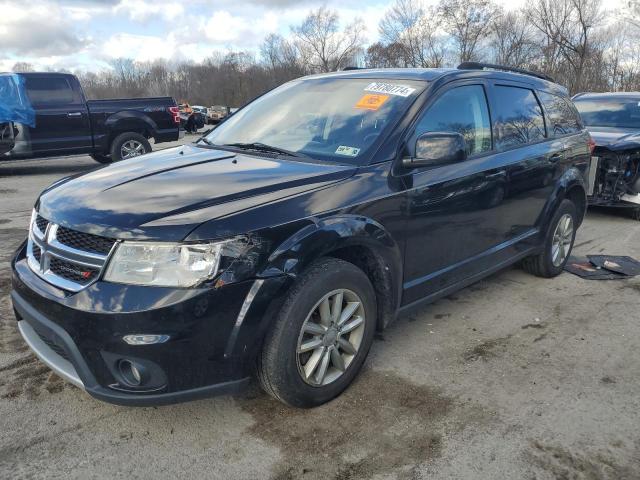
39, 30
142, 10
224, 28
142, 48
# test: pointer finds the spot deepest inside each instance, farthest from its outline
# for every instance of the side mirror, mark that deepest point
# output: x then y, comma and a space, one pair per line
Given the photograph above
437, 148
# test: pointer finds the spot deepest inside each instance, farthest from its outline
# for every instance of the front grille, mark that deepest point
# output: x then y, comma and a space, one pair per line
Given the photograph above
71, 271
41, 223
84, 241
66, 258
53, 346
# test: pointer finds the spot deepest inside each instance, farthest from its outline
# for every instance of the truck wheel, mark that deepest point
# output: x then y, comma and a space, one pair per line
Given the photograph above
321, 336
557, 244
101, 158
129, 145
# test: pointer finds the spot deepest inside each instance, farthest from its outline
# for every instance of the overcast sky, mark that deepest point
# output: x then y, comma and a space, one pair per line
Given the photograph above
86, 34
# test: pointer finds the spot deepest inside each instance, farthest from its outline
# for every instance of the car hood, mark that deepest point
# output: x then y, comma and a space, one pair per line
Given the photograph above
615, 138
141, 198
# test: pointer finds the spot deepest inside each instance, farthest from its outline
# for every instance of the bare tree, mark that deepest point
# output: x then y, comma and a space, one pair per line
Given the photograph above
22, 67
632, 12
277, 52
468, 22
513, 41
323, 46
379, 55
567, 27
413, 30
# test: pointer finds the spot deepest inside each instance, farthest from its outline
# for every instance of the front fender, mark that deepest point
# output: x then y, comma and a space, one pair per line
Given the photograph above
328, 235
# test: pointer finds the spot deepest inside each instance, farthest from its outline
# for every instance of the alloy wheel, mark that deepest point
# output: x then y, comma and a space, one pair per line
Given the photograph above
562, 238
131, 148
330, 337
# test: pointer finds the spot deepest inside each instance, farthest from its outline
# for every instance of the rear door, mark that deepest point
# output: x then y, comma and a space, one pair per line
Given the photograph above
62, 118
531, 157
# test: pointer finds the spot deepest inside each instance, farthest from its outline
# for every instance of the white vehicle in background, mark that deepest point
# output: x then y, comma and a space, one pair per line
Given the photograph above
199, 109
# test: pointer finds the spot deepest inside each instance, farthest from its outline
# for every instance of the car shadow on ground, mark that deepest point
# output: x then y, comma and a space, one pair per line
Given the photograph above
9, 169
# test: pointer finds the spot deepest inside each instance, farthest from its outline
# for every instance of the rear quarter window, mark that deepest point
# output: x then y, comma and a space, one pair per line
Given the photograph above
562, 116
518, 117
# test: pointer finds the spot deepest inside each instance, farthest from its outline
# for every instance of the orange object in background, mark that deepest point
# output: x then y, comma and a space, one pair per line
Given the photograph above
372, 101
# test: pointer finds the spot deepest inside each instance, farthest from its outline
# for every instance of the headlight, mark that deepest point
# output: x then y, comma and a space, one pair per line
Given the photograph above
170, 264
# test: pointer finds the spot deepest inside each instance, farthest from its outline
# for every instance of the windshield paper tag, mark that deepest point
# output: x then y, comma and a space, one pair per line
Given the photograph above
371, 101
348, 151
390, 88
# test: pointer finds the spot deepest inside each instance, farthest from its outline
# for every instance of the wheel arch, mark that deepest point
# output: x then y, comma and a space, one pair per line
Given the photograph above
570, 186
129, 121
352, 238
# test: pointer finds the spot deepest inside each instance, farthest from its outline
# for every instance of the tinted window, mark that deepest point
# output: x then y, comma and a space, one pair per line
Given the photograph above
562, 117
462, 110
49, 90
517, 117
610, 112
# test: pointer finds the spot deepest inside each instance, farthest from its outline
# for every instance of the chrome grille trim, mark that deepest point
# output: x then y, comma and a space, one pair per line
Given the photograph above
51, 248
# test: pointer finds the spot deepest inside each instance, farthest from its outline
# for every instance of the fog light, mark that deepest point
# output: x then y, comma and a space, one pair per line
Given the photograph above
131, 373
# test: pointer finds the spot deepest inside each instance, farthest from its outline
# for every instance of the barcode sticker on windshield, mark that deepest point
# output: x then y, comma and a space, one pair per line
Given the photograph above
390, 88
348, 151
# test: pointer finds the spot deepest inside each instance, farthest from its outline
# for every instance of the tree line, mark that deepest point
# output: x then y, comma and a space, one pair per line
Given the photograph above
580, 43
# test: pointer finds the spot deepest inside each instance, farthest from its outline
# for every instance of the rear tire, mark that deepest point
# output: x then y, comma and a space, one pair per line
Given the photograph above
129, 145
308, 331
557, 244
105, 159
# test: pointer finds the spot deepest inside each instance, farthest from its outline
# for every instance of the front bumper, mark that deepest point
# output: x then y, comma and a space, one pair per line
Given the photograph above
213, 335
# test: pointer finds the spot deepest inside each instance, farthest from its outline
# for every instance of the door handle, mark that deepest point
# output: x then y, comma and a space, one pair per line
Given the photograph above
556, 157
74, 114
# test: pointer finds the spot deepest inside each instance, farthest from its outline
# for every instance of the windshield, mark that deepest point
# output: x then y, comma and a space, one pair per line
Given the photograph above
610, 112
332, 119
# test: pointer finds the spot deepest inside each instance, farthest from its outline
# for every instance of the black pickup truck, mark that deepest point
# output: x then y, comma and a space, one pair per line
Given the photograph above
108, 130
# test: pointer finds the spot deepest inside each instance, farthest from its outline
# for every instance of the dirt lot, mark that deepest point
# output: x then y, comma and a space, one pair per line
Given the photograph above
515, 377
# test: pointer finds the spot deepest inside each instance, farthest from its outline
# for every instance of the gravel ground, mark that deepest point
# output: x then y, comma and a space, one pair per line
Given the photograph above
513, 377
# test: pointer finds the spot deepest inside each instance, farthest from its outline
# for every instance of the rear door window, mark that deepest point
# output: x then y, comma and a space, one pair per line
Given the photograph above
460, 110
562, 116
49, 90
518, 117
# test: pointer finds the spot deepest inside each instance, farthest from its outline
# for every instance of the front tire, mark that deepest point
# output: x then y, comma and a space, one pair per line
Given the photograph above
129, 145
557, 244
105, 159
321, 336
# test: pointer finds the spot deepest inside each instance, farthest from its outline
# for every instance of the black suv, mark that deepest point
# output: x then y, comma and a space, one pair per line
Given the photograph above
280, 242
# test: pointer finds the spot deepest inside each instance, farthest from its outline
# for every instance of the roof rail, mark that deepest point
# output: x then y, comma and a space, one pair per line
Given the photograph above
482, 66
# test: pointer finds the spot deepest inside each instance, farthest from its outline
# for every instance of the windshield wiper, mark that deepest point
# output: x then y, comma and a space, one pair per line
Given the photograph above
263, 147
